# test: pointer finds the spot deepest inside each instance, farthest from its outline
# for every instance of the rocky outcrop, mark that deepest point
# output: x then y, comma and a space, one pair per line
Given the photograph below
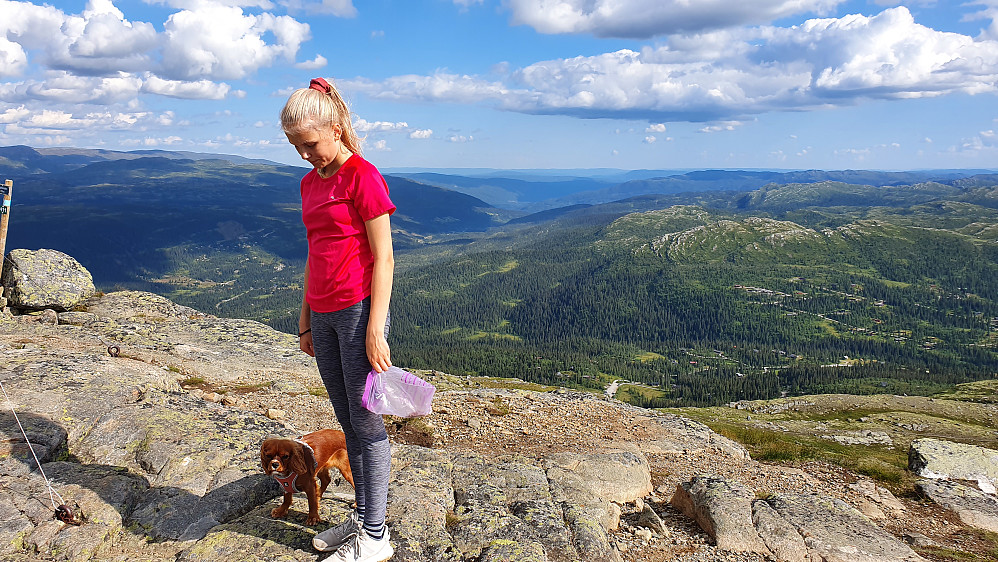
44, 279
147, 461
935, 458
792, 528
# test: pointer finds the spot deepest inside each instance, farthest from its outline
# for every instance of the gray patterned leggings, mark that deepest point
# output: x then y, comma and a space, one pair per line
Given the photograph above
340, 340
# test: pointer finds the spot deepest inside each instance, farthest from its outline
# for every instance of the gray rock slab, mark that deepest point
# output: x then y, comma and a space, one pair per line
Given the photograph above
780, 536
504, 550
421, 505
617, 476
118, 438
837, 532
975, 508
936, 458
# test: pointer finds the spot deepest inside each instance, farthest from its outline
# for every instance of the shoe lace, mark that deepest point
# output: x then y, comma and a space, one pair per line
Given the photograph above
352, 546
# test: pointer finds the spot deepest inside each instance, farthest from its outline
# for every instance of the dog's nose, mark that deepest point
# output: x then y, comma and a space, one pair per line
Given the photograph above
274, 465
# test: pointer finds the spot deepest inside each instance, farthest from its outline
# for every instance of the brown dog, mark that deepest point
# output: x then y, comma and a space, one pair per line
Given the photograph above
295, 464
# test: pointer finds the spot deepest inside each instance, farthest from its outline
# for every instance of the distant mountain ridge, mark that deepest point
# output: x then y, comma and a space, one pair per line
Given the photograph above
19, 160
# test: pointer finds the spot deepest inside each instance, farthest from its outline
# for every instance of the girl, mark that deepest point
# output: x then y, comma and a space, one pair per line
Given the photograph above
344, 313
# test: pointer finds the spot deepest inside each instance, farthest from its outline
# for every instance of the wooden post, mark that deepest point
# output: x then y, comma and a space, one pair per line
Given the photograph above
5, 190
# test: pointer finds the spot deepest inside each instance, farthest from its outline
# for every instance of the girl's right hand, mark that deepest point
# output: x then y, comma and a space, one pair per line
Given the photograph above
305, 343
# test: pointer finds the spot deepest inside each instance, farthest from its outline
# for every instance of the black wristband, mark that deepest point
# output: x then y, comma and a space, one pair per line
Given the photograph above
305, 332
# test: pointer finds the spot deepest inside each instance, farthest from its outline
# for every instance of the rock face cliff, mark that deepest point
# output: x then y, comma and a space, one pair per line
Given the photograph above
147, 419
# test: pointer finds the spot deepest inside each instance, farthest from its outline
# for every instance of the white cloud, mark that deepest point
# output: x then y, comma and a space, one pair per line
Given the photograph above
650, 139
858, 153
152, 141
421, 134
730, 74
63, 87
989, 12
318, 62
381, 145
460, 138
106, 56
364, 126
220, 42
48, 122
14, 114
649, 18
718, 127
100, 41
656, 128
201, 89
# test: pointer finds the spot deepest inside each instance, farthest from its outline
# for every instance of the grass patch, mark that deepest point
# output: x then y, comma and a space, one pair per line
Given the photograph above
513, 384
250, 388
319, 391
881, 470
508, 266
480, 335
194, 382
887, 466
647, 356
770, 446
982, 392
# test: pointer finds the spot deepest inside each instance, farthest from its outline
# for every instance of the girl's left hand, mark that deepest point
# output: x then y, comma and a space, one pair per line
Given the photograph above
378, 352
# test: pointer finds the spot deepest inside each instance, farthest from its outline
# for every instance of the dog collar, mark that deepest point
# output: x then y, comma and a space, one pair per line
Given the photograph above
288, 482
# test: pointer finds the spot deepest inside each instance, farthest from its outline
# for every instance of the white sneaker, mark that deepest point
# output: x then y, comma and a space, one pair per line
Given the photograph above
334, 537
362, 548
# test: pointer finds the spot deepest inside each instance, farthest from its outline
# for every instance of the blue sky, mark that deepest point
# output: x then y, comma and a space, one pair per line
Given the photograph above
663, 84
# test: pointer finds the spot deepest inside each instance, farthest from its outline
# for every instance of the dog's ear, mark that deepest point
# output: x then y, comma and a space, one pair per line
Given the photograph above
309, 455
266, 451
301, 458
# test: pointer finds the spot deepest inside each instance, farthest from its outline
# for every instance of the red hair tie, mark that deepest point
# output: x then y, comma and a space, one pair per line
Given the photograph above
319, 84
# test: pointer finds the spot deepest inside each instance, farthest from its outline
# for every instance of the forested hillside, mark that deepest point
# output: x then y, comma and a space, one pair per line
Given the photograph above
707, 307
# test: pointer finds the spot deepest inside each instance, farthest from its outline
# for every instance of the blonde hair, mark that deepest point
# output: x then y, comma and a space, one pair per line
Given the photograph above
309, 108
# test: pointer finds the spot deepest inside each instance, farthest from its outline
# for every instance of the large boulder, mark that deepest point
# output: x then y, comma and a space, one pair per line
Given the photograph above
37, 280
939, 459
722, 508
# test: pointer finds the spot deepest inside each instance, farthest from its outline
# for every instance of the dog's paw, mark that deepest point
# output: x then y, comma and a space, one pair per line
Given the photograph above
312, 520
277, 512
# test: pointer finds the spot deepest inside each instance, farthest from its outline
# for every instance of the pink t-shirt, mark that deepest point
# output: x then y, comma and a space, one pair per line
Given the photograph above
334, 211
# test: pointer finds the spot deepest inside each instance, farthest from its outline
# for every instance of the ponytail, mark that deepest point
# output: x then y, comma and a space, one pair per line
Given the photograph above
320, 106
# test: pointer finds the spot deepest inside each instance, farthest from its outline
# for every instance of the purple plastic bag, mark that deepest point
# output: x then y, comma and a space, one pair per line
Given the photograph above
397, 393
